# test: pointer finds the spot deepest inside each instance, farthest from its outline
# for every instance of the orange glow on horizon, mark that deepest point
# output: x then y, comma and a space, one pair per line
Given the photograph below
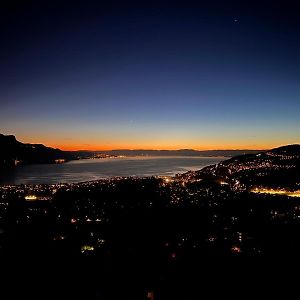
77, 147
93, 144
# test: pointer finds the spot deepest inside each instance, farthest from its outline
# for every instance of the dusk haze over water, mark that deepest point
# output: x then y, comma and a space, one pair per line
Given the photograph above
150, 74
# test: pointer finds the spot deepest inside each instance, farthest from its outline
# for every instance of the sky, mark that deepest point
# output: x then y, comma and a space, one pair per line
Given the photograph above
151, 74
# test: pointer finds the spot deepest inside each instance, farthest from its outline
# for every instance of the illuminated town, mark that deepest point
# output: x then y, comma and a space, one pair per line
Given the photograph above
82, 216
223, 209
276, 192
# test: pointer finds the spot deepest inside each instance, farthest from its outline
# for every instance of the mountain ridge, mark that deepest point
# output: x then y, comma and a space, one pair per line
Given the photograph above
13, 152
278, 167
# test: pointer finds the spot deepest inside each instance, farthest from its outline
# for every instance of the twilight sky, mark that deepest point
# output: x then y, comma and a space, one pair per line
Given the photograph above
151, 74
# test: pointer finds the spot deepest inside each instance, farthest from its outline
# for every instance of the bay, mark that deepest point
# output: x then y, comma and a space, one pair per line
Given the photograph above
94, 169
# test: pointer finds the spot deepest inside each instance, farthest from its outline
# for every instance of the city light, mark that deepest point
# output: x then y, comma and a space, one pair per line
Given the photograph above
281, 192
30, 198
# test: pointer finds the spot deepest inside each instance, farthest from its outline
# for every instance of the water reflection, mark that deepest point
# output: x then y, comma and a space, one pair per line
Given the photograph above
93, 169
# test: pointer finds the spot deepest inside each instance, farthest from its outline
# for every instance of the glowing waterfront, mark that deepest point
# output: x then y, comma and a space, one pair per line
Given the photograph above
280, 192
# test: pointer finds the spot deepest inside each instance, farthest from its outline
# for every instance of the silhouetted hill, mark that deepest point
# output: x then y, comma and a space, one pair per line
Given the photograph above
277, 167
12, 151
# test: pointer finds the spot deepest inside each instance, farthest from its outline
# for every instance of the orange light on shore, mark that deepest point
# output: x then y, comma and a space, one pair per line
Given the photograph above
30, 198
281, 192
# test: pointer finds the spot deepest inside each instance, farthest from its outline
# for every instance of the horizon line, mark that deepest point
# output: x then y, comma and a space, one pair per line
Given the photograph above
180, 149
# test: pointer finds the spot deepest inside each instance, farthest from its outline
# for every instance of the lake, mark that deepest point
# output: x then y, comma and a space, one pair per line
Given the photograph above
94, 169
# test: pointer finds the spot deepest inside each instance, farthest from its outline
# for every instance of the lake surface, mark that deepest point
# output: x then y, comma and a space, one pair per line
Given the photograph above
93, 169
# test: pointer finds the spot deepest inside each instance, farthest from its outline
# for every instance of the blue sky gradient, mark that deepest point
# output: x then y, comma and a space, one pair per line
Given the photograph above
159, 75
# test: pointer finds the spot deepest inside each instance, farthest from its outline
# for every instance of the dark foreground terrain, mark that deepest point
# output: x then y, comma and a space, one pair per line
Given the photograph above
154, 238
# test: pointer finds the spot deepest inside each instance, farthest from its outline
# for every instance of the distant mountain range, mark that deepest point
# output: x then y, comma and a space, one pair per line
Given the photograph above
181, 152
13, 152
